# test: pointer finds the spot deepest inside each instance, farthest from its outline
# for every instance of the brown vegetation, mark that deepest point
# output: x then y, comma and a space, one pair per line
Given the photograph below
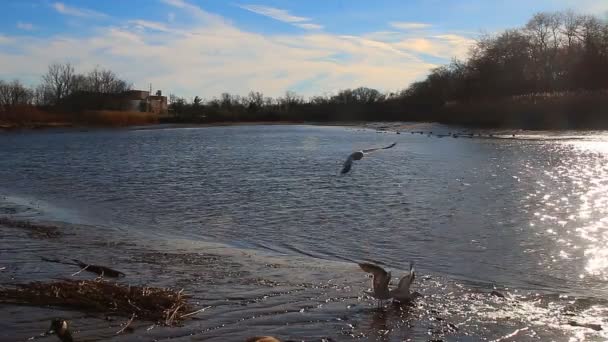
27, 116
164, 306
116, 118
559, 110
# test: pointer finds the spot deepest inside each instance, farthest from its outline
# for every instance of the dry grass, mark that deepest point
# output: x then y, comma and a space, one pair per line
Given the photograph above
163, 306
31, 117
118, 118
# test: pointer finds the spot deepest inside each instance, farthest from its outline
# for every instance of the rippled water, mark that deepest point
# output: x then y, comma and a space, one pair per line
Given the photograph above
259, 226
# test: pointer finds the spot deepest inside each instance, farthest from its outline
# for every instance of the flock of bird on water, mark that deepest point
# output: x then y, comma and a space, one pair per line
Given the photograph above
380, 278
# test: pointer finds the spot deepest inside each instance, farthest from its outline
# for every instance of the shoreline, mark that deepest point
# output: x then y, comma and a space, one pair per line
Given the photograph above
383, 126
389, 126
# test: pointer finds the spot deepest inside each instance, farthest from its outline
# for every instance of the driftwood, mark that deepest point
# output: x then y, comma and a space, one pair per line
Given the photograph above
102, 271
127, 327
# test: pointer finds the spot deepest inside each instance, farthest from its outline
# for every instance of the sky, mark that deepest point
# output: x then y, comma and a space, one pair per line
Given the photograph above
205, 47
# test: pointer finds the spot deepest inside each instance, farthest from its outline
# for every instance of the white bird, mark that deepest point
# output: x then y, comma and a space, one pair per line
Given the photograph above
402, 292
381, 280
348, 164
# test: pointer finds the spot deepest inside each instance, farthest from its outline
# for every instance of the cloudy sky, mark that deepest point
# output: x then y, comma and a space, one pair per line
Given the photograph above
205, 47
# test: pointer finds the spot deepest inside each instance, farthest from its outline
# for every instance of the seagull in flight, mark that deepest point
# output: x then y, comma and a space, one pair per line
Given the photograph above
381, 280
348, 164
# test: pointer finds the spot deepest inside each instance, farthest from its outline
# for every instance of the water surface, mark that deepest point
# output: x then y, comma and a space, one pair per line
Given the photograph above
259, 225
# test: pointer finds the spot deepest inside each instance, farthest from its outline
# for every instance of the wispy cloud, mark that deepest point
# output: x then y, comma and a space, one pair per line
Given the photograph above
401, 25
184, 5
309, 26
5, 39
439, 45
194, 10
77, 11
180, 4
283, 16
201, 61
171, 17
274, 13
25, 26
156, 26
147, 25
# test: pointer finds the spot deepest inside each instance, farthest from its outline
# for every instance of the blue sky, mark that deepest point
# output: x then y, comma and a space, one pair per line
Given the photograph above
202, 47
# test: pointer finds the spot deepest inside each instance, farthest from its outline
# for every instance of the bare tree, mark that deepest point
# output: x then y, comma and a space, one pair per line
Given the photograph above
571, 27
103, 81
14, 93
255, 101
59, 80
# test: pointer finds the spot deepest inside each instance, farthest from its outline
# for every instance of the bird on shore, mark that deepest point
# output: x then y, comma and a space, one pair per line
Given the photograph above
402, 292
60, 328
381, 280
348, 164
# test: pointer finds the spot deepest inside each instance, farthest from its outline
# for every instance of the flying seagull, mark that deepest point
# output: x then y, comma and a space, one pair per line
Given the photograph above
380, 282
348, 164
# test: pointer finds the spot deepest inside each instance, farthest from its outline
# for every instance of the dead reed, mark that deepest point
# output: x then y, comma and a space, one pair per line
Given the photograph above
164, 306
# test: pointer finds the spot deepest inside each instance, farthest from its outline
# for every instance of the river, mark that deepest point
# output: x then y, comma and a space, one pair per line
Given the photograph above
256, 223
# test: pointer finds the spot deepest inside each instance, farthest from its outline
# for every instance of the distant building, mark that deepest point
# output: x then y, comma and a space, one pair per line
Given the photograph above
141, 100
130, 100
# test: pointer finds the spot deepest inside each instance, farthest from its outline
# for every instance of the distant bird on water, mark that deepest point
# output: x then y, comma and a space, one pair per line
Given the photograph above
348, 164
380, 282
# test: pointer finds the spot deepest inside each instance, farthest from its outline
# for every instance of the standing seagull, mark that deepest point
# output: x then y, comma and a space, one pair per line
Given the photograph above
348, 164
402, 292
381, 280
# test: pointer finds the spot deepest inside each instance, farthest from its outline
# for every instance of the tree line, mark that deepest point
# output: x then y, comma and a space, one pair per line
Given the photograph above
58, 83
506, 80
552, 72
553, 52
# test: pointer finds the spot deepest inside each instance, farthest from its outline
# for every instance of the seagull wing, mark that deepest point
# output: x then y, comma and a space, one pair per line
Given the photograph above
381, 277
369, 150
348, 164
406, 281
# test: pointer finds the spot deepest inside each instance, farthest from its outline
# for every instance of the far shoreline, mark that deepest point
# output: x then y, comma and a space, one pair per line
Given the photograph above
380, 126
377, 125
